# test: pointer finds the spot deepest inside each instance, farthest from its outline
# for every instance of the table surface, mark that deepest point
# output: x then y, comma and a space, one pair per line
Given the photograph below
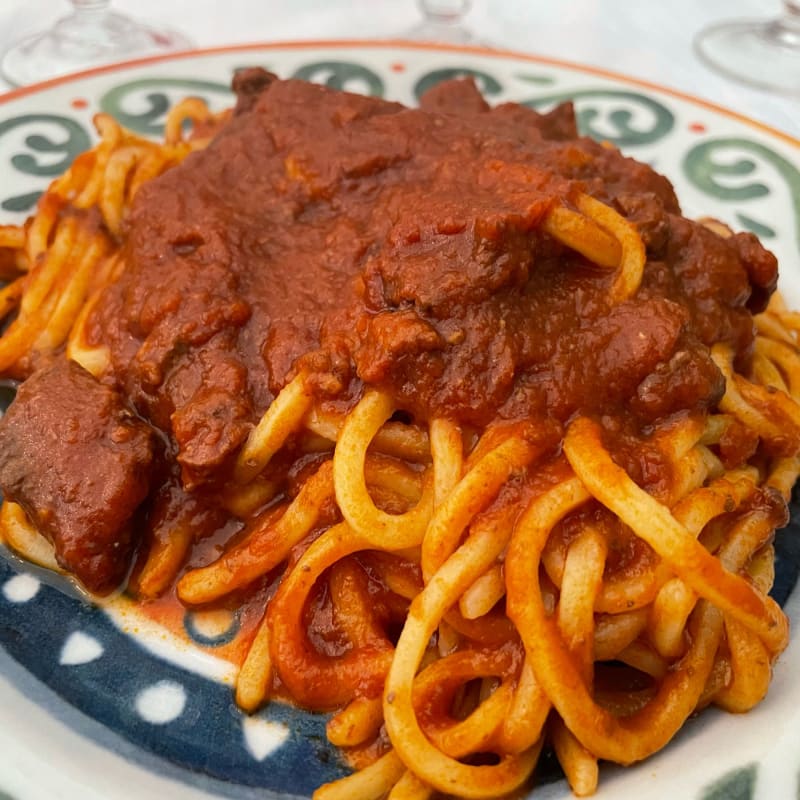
640, 38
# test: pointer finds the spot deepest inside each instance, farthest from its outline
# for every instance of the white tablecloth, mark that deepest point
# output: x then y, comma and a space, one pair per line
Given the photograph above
642, 38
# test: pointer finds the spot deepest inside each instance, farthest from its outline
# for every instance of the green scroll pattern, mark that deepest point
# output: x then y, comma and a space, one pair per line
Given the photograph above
150, 121
704, 169
738, 784
537, 79
344, 75
76, 140
760, 229
625, 132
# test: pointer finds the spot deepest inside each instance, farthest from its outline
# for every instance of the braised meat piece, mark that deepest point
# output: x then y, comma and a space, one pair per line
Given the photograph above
79, 462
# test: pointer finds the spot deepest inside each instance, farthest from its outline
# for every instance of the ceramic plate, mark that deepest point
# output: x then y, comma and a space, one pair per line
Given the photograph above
108, 703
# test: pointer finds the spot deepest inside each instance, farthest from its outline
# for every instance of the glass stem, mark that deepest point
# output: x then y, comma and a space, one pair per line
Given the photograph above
444, 12
89, 13
785, 30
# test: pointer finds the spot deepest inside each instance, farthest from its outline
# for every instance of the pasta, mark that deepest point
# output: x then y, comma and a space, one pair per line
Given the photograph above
574, 552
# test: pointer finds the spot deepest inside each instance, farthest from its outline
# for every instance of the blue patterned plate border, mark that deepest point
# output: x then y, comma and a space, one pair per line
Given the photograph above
119, 707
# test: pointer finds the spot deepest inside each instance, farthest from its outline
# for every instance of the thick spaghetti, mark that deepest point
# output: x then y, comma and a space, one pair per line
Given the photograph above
481, 428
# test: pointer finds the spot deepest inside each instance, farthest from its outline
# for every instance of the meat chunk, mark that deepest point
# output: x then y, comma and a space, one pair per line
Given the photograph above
78, 461
762, 269
248, 84
454, 97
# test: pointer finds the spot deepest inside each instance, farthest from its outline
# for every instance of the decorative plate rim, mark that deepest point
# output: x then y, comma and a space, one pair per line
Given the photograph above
349, 44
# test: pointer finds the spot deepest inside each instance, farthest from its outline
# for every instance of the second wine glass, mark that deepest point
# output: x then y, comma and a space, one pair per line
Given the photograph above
91, 36
761, 53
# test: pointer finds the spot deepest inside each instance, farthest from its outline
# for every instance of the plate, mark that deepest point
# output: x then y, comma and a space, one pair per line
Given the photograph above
106, 702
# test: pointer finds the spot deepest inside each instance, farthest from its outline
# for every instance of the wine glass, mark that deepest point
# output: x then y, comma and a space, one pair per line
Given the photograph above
764, 54
90, 36
443, 22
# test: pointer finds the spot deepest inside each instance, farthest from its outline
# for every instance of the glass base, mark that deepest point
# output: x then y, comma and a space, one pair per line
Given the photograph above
765, 55
82, 41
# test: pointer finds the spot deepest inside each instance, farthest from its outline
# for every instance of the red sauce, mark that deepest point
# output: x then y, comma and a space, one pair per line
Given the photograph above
365, 242
372, 243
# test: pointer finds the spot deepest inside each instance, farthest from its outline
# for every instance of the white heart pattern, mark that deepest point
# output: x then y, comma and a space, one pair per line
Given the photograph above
263, 737
80, 648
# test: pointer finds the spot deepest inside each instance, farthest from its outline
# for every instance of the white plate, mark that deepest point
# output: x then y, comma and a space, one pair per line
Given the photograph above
90, 709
